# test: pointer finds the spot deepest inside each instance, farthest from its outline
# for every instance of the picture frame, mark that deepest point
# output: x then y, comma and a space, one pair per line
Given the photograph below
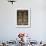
28, 15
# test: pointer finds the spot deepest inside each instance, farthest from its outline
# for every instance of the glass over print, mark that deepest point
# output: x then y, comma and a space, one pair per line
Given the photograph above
22, 17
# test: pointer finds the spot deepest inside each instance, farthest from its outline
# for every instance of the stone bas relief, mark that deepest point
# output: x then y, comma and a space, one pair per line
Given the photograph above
22, 17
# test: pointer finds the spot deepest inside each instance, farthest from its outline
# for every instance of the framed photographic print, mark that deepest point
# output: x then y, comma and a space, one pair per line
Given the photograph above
23, 17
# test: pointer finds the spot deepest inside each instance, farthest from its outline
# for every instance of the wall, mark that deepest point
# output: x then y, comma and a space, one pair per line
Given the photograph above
8, 28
